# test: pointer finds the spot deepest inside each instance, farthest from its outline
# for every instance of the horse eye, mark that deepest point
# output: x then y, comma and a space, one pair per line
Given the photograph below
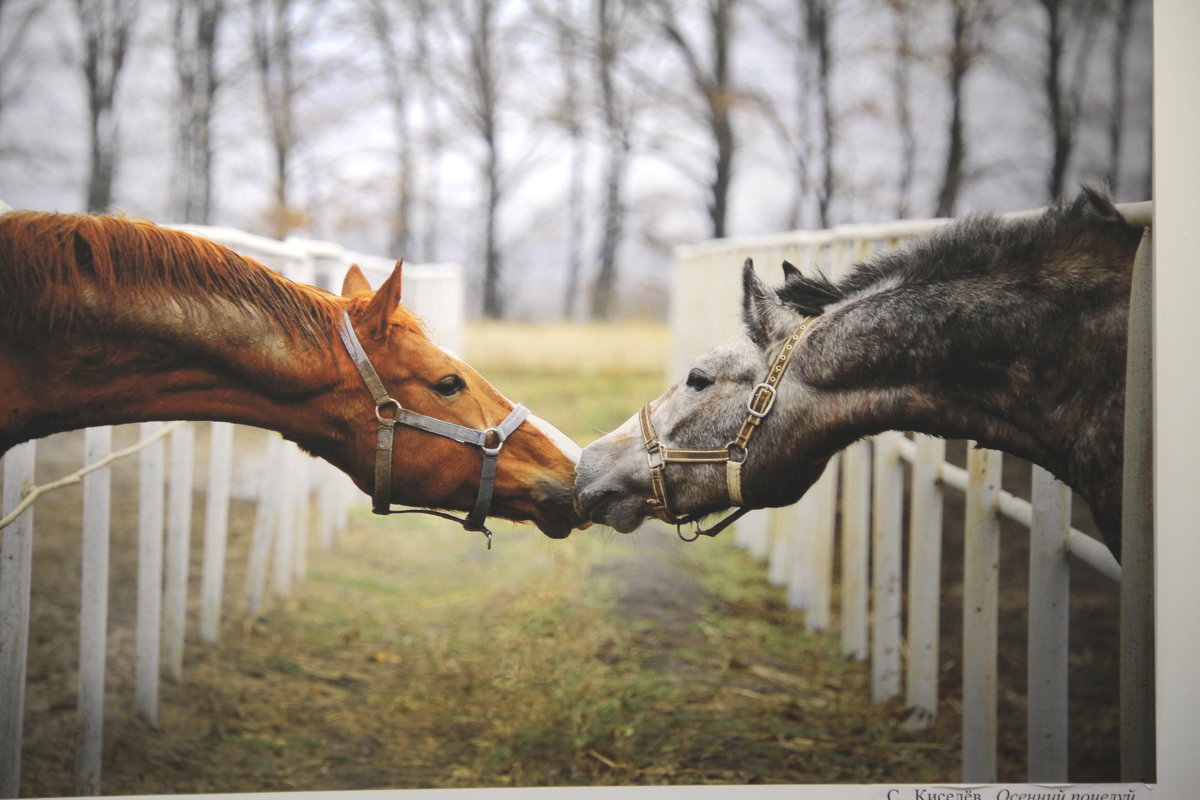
698, 380
450, 386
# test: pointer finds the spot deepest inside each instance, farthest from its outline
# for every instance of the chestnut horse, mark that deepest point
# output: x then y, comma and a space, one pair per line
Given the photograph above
1008, 332
110, 320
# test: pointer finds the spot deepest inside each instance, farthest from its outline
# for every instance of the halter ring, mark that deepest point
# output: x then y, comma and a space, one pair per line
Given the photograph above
500, 437
384, 403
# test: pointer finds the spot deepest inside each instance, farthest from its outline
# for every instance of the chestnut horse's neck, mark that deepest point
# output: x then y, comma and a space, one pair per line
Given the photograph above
110, 321
217, 366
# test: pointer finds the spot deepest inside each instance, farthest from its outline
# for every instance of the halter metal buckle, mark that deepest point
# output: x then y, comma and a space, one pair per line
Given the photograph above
753, 402
654, 457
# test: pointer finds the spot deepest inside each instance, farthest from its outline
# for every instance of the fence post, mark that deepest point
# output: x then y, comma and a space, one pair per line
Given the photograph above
1049, 625
887, 521
1137, 531
819, 549
93, 612
179, 535
753, 533
150, 565
924, 581
981, 592
782, 546
328, 491
301, 481
264, 524
16, 558
856, 533
794, 524
284, 499
216, 528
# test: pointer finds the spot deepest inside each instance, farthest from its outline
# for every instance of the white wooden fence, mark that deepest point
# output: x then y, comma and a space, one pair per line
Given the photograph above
866, 482
286, 484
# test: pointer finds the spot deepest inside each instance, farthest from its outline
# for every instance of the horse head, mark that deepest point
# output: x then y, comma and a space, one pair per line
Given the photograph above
1009, 332
725, 435
432, 464
109, 320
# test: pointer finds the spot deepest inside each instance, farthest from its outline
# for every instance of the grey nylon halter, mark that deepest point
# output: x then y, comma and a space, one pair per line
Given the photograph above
489, 440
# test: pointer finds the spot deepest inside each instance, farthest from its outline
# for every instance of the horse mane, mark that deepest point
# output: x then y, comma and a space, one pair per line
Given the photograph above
1069, 245
48, 261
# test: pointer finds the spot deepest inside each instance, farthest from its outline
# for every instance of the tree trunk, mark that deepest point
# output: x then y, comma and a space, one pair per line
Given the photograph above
386, 28
960, 62
486, 99
271, 37
902, 85
195, 41
713, 82
818, 22
106, 27
572, 116
493, 299
433, 140
1060, 128
1116, 117
616, 159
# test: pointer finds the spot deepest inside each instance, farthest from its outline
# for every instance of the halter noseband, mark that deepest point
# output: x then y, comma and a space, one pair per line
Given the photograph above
733, 455
489, 440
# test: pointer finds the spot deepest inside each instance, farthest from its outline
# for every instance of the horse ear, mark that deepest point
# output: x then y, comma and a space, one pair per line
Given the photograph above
379, 310
760, 306
790, 271
354, 282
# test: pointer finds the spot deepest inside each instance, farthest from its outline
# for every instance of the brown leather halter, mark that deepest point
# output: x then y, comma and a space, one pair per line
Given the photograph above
489, 441
733, 455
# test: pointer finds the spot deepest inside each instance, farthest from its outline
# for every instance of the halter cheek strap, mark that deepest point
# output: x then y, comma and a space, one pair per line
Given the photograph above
733, 455
389, 413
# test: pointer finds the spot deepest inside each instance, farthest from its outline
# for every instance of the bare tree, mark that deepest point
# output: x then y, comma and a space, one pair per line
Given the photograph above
709, 66
1122, 25
483, 113
276, 30
569, 111
407, 36
903, 20
389, 22
107, 27
196, 25
789, 120
616, 116
817, 16
484, 72
433, 133
970, 25
14, 23
1064, 86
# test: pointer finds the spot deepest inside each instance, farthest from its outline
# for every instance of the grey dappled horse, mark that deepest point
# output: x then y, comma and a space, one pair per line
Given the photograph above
1008, 332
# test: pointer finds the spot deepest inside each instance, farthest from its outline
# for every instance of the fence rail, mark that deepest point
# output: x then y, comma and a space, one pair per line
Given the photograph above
289, 482
866, 483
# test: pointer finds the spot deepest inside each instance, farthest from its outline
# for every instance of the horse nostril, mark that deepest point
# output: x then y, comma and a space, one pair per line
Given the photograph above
587, 500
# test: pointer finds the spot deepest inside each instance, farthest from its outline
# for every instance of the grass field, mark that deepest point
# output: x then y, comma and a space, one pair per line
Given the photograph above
413, 657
